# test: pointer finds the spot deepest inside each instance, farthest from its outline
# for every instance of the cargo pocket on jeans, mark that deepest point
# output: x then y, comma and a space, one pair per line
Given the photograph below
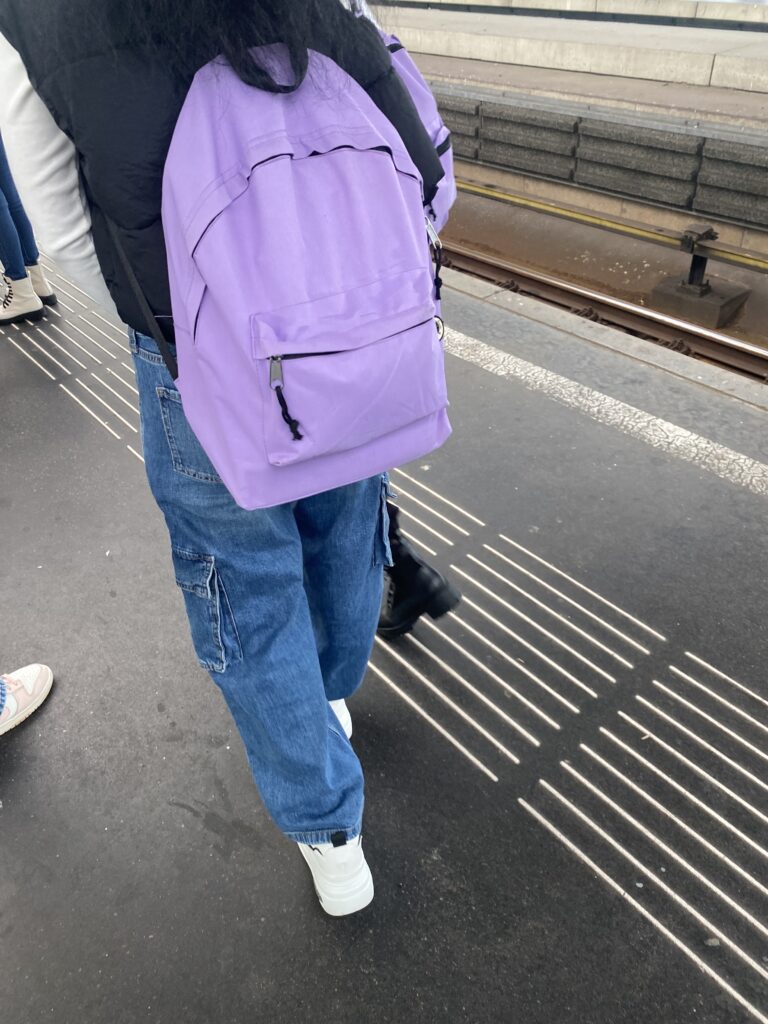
382, 551
214, 633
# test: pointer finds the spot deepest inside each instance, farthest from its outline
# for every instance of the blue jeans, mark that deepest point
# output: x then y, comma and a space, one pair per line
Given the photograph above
17, 240
282, 604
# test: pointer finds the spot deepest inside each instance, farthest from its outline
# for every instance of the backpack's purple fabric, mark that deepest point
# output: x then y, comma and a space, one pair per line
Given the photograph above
302, 285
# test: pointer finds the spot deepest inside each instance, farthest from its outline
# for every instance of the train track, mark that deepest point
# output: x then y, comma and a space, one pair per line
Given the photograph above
668, 331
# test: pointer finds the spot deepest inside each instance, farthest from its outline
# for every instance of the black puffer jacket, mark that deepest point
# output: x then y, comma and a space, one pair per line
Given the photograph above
120, 110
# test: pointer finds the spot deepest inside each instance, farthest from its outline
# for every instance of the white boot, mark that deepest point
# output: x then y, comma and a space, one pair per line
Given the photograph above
20, 302
41, 285
342, 878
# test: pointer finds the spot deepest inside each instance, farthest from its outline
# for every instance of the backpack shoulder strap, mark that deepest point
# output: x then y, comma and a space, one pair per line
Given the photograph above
165, 351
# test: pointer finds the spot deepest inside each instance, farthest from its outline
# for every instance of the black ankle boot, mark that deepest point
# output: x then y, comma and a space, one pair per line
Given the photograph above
412, 588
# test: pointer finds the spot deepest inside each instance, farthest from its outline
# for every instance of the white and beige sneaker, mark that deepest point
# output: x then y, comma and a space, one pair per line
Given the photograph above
42, 286
341, 711
21, 693
20, 302
342, 878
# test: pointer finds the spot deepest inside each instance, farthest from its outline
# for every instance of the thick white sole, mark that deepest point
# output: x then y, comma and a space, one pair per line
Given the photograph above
18, 719
341, 898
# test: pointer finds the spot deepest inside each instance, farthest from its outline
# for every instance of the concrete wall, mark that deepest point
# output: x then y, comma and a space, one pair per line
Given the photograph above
690, 10
733, 181
726, 58
685, 170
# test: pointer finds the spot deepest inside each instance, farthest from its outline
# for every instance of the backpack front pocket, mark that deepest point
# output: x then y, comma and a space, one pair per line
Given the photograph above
321, 402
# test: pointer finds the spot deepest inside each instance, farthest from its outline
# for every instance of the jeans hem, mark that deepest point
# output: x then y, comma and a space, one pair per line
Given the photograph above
323, 835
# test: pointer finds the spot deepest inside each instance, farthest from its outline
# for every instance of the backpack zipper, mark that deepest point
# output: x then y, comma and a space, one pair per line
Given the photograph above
277, 380
277, 383
437, 249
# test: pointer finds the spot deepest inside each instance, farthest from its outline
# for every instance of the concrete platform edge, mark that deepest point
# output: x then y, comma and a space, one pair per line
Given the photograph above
682, 366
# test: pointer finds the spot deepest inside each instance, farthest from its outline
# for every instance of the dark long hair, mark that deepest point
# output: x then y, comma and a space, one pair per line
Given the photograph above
186, 34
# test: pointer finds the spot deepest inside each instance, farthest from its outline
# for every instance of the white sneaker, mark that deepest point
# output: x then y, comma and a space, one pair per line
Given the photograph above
25, 690
341, 711
20, 302
342, 878
41, 285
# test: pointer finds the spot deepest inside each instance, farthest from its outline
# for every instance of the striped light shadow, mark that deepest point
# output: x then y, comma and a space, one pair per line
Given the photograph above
435, 725
90, 412
106, 405
31, 358
415, 540
516, 664
68, 291
704, 743
679, 900
120, 330
727, 679
133, 451
424, 526
41, 333
449, 670
456, 708
585, 589
76, 343
432, 511
75, 327
73, 287
46, 353
555, 614
711, 780
701, 964
507, 687
529, 646
736, 737
679, 788
720, 700
682, 825
125, 382
119, 397
457, 508
569, 600
114, 341
651, 836
536, 625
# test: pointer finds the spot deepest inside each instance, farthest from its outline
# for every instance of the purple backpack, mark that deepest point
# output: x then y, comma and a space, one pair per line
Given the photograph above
302, 285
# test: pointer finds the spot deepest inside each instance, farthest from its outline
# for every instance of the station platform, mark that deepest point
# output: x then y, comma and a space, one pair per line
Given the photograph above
726, 58
567, 805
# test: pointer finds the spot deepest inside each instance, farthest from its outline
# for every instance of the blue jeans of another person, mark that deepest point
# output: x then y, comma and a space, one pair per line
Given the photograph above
283, 605
17, 240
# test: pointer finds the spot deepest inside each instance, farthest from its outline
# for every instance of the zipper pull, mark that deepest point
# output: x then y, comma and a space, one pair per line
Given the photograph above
432, 235
437, 248
276, 372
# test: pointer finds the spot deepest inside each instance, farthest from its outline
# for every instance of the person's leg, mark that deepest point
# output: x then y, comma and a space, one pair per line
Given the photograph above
18, 297
20, 247
11, 253
413, 587
242, 578
344, 540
